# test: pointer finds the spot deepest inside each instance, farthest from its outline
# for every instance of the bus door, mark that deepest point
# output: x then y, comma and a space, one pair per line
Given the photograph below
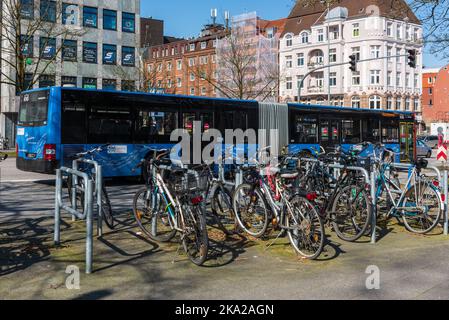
407, 142
330, 133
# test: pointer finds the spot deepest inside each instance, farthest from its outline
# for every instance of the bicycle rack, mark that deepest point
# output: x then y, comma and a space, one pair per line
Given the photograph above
99, 189
87, 214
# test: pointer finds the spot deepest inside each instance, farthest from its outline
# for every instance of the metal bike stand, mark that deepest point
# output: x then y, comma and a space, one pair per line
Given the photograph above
86, 215
99, 189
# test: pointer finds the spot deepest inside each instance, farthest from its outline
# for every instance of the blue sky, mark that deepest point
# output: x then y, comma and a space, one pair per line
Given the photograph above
185, 18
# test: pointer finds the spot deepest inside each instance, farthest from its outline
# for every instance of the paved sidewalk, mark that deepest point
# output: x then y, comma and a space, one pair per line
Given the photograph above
129, 267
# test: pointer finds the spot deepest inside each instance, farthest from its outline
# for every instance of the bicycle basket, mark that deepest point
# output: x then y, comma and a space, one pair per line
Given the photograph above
189, 182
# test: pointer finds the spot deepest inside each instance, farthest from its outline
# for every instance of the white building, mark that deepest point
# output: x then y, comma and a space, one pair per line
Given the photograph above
365, 28
103, 56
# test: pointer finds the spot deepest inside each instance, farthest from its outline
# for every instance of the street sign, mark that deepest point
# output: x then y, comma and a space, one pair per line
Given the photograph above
442, 147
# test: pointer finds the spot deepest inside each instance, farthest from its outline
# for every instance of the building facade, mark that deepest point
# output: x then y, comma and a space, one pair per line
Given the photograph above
189, 66
316, 36
435, 98
104, 55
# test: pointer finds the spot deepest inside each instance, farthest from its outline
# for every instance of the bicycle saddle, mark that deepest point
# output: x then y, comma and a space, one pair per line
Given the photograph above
421, 164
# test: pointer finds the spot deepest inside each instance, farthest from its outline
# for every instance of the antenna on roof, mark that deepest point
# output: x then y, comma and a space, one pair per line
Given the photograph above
227, 18
214, 14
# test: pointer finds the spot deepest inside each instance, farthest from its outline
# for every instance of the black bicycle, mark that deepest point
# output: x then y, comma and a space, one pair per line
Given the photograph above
106, 207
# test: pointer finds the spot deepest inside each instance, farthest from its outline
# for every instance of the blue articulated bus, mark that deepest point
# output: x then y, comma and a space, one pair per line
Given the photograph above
55, 123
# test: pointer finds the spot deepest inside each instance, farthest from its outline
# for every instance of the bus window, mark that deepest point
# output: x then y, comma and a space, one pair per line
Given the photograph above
187, 121
390, 131
110, 124
324, 131
228, 120
155, 127
350, 132
34, 109
73, 127
306, 130
207, 121
371, 130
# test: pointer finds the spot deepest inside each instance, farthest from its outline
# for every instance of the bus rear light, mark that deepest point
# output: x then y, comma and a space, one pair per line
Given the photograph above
49, 152
311, 196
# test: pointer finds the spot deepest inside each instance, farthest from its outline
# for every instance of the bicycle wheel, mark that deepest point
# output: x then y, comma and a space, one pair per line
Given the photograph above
306, 229
106, 209
195, 239
426, 199
351, 213
151, 216
223, 211
250, 210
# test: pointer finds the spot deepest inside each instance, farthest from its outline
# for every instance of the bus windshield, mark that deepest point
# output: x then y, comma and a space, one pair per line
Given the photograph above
33, 109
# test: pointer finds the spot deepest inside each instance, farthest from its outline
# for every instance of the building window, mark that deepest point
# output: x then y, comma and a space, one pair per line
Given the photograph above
300, 84
356, 53
109, 84
47, 48
416, 104
128, 22
179, 82
375, 102
192, 76
109, 54
68, 81
320, 35
289, 83
90, 52
288, 62
333, 79
300, 59
47, 81
390, 78
389, 29
192, 47
70, 14
398, 79
26, 46
430, 102
203, 45
430, 90
128, 56
179, 64
305, 37
356, 78
69, 50
333, 55
90, 17
398, 103
89, 83
355, 102
399, 31
416, 34
407, 104
408, 33
430, 80
27, 9
408, 83
389, 103
48, 11
192, 91
128, 85
169, 66
203, 91
289, 40
389, 53
355, 30
109, 19
375, 51
374, 77
415, 81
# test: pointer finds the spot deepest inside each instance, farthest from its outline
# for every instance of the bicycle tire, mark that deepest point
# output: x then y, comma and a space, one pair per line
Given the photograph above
408, 222
139, 213
106, 209
345, 198
195, 226
309, 239
223, 210
252, 194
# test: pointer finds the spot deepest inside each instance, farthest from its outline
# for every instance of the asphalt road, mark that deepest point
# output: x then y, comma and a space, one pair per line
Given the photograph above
127, 266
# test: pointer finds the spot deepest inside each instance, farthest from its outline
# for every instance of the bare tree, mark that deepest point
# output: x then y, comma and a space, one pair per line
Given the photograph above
246, 66
19, 28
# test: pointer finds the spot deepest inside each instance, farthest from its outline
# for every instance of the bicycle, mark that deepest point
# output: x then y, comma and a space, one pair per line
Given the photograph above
271, 189
106, 207
418, 203
162, 209
343, 201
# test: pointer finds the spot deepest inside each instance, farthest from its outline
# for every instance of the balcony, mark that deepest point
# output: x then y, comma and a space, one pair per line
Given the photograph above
375, 87
315, 89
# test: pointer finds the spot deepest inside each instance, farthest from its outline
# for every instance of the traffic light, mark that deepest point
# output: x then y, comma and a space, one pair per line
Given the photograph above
412, 58
353, 63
